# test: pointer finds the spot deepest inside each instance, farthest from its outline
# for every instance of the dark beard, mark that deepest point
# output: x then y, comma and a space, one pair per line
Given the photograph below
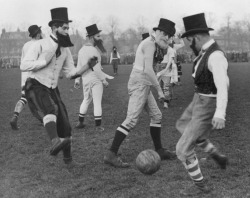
99, 44
64, 41
192, 46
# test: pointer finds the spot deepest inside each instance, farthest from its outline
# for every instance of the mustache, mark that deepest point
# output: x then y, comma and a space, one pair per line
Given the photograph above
64, 40
99, 44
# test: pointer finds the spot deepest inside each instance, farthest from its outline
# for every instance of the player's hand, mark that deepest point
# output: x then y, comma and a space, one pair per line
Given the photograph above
77, 85
92, 62
218, 123
105, 83
161, 96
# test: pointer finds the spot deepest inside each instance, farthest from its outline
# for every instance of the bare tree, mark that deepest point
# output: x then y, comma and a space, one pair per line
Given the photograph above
113, 28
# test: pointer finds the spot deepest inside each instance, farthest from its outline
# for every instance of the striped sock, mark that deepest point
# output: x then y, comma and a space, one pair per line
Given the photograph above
207, 146
81, 117
120, 134
193, 168
98, 120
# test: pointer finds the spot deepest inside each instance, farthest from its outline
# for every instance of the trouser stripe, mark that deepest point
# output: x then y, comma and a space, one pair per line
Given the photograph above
123, 129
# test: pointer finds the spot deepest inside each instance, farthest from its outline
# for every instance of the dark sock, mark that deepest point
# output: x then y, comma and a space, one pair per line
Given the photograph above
51, 130
98, 122
156, 137
81, 117
16, 114
167, 101
118, 139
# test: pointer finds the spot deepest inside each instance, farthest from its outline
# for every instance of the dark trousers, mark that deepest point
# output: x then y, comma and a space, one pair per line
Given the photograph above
48, 101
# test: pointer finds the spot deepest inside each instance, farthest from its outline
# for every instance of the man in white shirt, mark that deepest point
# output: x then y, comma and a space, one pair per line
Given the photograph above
114, 59
44, 60
142, 79
207, 110
92, 81
36, 34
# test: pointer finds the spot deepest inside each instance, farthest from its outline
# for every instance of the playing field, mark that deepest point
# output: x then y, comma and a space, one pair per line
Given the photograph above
27, 170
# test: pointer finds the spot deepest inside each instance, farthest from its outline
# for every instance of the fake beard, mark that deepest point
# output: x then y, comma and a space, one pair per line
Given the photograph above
99, 44
192, 46
63, 40
162, 43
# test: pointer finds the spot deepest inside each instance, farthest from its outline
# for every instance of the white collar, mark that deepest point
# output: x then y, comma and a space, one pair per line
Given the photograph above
208, 44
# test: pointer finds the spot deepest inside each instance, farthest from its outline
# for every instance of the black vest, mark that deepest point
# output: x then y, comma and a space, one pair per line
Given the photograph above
204, 81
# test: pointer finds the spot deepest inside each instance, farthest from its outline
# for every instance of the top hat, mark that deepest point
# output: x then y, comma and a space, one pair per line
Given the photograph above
195, 24
92, 30
167, 26
59, 15
145, 35
33, 29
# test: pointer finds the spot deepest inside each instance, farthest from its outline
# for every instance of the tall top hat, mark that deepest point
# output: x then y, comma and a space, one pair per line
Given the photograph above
59, 15
33, 29
167, 26
92, 30
145, 35
195, 24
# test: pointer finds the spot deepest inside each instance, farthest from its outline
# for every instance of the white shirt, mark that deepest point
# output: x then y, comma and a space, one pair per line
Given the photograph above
24, 75
48, 75
84, 55
218, 65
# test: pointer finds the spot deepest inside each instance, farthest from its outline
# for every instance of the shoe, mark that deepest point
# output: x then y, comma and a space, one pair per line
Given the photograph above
13, 123
80, 125
99, 128
166, 154
220, 159
165, 105
112, 159
195, 190
58, 145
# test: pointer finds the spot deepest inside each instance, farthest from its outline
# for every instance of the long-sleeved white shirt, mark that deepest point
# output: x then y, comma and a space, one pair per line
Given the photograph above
24, 75
218, 65
87, 52
48, 74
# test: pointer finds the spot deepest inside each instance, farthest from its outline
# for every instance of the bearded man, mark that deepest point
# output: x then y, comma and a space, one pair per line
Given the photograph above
92, 81
142, 79
44, 61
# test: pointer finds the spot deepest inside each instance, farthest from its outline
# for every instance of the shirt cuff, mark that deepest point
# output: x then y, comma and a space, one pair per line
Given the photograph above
220, 114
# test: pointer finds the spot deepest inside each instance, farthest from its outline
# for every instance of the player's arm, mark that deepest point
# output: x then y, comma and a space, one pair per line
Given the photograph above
36, 58
218, 65
148, 51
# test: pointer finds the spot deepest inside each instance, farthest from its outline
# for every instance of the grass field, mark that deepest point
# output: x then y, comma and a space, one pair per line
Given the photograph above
27, 170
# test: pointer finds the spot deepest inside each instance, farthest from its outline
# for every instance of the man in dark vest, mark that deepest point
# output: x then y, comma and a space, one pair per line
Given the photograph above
114, 59
208, 108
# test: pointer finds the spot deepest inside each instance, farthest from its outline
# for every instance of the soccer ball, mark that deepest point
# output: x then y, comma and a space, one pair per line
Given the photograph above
148, 162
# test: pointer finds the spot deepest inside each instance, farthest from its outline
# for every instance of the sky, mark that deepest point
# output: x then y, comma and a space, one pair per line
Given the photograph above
22, 13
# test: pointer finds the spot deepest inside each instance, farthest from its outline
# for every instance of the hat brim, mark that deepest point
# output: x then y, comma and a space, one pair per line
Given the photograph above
39, 28
167, 32
194, 31
94, 33
58, 20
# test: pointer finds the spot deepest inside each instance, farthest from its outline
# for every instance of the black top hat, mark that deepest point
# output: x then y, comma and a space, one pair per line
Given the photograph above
167, 26
59, 15
195, 24
92, 30
33, 29
145, 35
